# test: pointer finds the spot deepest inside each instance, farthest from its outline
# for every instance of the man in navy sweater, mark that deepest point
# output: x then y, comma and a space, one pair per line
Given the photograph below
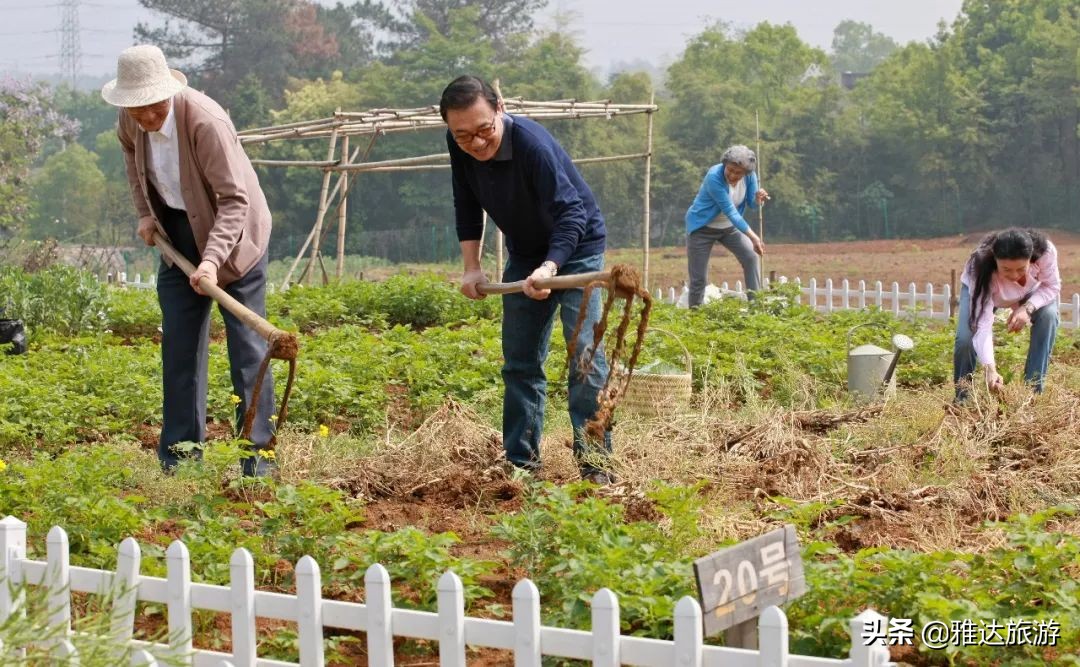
514, 169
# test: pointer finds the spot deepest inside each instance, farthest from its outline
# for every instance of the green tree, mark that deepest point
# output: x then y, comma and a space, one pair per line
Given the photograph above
28, 118
857, 48
723, 88
67, 193
408, 24
221, 44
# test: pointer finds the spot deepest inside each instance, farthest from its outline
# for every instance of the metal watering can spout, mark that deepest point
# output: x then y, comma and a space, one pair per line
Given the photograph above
902, 343
870, 368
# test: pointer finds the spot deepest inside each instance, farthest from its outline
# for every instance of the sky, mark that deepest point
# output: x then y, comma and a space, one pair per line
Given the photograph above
612, 31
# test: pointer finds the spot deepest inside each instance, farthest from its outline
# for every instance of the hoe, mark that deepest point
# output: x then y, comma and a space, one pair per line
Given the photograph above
282, 345
620, 281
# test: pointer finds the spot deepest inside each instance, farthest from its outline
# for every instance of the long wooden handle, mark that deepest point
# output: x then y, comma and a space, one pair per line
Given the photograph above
558, 282
245, 314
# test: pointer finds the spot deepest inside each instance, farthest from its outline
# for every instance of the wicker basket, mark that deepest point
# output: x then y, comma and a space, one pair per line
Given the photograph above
654, 394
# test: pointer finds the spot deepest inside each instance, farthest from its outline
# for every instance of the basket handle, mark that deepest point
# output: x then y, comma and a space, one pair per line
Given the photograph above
686, 353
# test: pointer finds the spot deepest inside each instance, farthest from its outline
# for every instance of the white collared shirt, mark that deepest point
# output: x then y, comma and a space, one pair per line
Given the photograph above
163, 163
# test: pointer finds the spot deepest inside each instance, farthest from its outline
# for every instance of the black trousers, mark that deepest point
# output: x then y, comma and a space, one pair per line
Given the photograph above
185, 350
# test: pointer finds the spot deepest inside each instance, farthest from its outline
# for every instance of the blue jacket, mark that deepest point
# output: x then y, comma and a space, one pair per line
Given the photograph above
533, 193
714, 198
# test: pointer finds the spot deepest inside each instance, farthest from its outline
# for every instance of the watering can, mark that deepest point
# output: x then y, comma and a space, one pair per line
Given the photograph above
871, 369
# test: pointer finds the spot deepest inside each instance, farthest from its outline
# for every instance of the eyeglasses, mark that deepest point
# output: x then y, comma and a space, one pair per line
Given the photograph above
485, 132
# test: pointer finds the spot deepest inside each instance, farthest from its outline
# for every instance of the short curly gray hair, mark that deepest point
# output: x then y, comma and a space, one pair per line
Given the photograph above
740, 156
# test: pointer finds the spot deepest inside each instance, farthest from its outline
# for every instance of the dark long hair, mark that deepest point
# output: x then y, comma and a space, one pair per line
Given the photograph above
1012, 243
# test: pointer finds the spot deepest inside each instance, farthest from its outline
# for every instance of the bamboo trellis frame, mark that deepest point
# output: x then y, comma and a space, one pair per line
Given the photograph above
376, 122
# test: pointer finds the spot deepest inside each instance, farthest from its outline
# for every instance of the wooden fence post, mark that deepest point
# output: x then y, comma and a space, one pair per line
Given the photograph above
125, 594
526, 599
12, 550
773, 631
689, 633
605, 629
58, 581
868, 632
178, 585
309, 602
242, 594
451, 621
380, 635
953, 303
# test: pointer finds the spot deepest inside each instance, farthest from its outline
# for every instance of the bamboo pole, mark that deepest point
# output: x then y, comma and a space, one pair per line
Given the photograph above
321, 164
648, 185
434, 122
301, 123
318, 217
369, 166
324, 203
333, 194
342, 207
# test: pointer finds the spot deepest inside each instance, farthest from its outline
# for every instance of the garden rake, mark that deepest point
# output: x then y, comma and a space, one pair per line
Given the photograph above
621, 281
281, 344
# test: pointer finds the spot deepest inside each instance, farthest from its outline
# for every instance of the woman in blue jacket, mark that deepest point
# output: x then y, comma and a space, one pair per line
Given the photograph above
716, 217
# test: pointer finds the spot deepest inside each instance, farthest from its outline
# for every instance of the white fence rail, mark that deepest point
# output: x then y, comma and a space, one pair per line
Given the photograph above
121, 280
529, 641
935, 302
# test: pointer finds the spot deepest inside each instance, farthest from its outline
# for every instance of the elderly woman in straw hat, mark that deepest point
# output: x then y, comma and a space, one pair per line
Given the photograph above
192, 183
716, 217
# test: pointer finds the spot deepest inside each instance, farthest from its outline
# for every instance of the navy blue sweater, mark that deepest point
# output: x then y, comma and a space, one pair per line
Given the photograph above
533, 193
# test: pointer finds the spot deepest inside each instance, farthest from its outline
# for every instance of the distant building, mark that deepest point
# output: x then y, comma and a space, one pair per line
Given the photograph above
849, 79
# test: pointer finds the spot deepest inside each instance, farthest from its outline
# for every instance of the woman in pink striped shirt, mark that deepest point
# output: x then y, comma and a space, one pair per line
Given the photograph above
1015, 269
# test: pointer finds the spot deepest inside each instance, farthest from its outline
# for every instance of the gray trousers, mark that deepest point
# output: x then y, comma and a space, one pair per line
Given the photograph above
699, 246
185, 338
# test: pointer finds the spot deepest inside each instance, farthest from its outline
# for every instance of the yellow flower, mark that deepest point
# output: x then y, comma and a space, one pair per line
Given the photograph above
235, 399
267, 454
3, 465
273, 418
324, 430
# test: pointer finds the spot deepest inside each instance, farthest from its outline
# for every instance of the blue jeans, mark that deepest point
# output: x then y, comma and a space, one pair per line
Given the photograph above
526, 338
1044, 326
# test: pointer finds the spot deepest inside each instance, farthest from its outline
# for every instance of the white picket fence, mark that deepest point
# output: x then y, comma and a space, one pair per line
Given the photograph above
529, 641
933, 302
121, 279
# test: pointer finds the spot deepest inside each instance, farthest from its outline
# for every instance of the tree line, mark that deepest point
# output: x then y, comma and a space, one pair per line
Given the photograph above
976, 127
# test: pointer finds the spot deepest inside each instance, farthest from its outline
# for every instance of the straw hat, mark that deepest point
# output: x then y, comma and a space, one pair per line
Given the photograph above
142, 78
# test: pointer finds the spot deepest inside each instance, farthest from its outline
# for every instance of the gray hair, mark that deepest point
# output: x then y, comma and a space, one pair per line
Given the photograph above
740, 156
